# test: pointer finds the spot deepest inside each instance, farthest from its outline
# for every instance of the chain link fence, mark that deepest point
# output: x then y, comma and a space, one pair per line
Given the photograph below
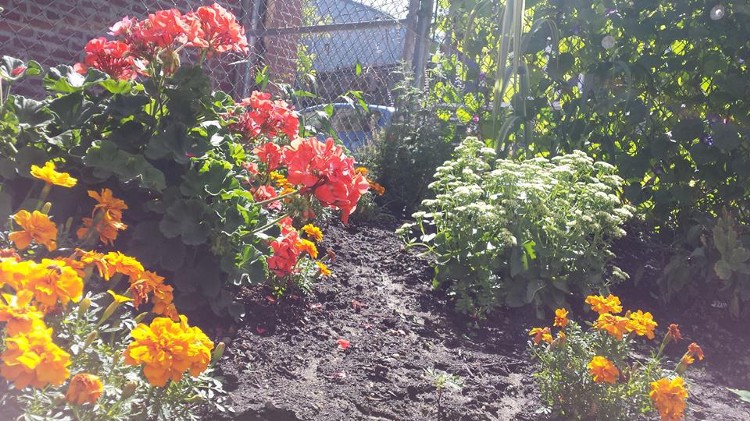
321, 48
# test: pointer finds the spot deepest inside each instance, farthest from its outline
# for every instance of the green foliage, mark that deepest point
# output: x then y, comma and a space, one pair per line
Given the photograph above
517, 233
164, 146
711, 265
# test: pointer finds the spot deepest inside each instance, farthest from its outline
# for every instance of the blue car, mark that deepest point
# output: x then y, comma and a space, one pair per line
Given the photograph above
353, 126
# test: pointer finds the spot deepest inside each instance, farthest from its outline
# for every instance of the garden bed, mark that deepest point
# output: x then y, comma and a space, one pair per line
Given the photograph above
286, 363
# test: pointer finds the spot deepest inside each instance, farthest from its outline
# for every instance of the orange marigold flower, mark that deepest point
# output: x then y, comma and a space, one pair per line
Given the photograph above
642, 324
110, 219
674, 332
37, 227
308, 246
49, 175
53, 280
16, 274
32, 359
376, 187
603, 370
324, 270
123, 264
167, 349
313, 232
601, 305
19, 314
361, 170
669, 398
541, 334
561, 317
695, 351
96, 259
84, 388
614, 325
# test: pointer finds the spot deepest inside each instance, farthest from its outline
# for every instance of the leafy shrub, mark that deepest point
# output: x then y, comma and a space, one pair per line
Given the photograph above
407, 154
712, 265
205, 176
595, 374
71, 350
516, 233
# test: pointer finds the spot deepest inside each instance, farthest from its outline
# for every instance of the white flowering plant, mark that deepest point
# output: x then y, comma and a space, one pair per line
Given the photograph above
513, 233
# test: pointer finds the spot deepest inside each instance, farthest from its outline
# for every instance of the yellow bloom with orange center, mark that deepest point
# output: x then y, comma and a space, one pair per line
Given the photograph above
561, 317
669, 398
323, 268
616, 326
603, 370
309, 247
53, 280
49, 175
36, 227
541, 334
601, 305
84, 388
167, 349
642, 324
32, 359
19, 314
313, 232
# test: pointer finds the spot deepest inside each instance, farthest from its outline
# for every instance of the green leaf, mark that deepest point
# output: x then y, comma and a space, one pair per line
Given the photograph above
10, 65
116, 86
723, 270
153, 248
72, 110
64, 79
107, 159
30, 113
186, 219
742, 394
358, 68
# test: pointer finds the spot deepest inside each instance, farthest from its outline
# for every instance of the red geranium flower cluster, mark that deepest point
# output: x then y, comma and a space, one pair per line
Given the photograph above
162, 35
267, 117
111, 57
323, 170
286, 250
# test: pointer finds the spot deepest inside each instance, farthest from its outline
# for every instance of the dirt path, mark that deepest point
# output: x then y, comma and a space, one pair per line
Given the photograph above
285, 364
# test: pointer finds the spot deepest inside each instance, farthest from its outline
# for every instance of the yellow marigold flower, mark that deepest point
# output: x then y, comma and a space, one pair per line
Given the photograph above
313, 232
84, 388
19, 314
541, 334
37, 227
55, 281
32, 359
167, 349
324, 270
642, 324
601, 305
88, 258
123, 264
361, 171
561, 317
603, 370
49, 175
16, 273
309, 247
669, 398
119, 299
614, 325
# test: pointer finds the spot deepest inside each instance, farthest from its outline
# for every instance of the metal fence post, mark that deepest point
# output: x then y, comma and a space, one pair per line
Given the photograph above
422, 47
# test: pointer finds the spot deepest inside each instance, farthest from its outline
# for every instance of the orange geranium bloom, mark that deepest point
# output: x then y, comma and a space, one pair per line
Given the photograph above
84, 388
167, 349
601, 305
324, 270
53, 280
603, 370
616, 326
37, 227
19, 314
642, 324
49, 175
561, 317
541, 334
669, 398
32, 359
313, 232
308, 246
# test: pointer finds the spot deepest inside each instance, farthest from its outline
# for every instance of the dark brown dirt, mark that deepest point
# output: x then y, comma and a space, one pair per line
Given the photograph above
285, 363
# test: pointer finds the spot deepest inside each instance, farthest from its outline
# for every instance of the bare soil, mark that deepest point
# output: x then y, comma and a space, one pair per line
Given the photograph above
284, 362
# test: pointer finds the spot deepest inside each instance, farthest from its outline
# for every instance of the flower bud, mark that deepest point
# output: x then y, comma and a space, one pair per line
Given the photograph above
128, 389
218, 352
46, 207
139, 318
90, 339
83, 306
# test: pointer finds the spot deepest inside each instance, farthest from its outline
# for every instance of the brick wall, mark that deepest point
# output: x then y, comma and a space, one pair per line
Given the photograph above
55, 31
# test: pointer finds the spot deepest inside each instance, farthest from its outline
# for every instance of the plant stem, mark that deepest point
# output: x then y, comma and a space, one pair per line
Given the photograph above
273, 199
269, 225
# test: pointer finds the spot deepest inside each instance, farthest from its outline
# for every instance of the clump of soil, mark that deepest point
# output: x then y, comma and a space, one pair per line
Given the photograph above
286, 363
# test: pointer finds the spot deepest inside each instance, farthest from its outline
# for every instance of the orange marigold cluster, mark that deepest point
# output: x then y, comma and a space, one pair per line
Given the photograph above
669, 398
32, 359
167, 349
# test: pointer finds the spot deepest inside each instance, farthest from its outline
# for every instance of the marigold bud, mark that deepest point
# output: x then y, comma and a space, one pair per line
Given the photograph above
128, 389
218, 352
90, 339
84, 388
46, 207
83, 306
